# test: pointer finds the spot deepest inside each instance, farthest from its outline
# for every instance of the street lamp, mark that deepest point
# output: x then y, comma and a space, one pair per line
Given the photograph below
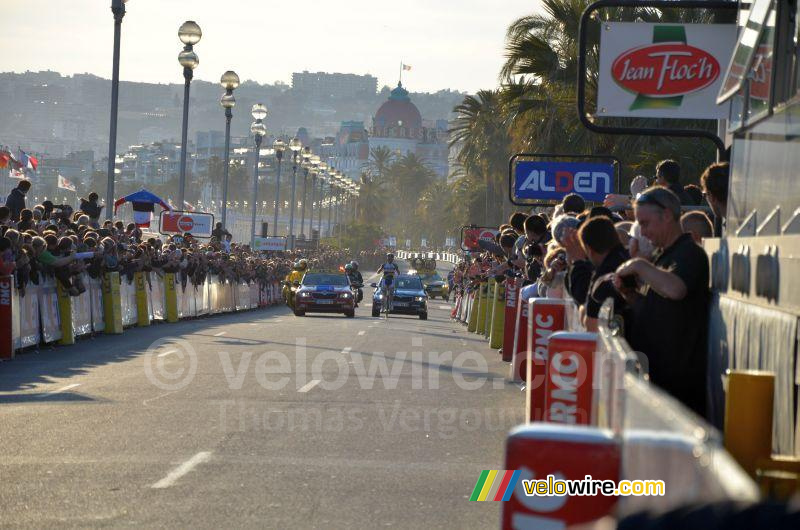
279, 146
189, 33
306, 165
118, 8
229, 81
259, 130
322, 178
295, 145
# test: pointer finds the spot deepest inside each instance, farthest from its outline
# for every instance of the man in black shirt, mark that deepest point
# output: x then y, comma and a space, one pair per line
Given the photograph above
668, 175
599, 239
671, 314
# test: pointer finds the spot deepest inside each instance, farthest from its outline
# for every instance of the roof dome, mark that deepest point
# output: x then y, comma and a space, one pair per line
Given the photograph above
398, 117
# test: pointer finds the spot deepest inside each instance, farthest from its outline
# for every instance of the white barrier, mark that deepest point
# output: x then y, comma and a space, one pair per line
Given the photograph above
48, 310
82, 310
36, 318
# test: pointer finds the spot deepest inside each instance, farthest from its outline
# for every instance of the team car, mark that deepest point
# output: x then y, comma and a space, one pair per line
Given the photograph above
325, 292
409, 297
433, 283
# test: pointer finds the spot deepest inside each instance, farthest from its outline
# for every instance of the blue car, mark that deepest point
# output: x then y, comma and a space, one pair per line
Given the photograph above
409, 297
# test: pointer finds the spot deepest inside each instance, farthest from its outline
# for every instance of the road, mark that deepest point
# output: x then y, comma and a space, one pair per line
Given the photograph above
122, 431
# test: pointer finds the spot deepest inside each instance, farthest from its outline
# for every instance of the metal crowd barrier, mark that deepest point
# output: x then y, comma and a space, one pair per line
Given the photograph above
591, 410
45, 313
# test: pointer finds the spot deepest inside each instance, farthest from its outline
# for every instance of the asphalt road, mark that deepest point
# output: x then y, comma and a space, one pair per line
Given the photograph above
375, 422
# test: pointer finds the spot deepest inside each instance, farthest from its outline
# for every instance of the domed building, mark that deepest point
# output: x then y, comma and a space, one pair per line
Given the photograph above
398, 126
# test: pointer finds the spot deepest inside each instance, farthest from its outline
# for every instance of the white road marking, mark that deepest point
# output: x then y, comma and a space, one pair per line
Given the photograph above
182, 469
346, 350
361, 333
444, 307
166, 353
52, 392
221, 333
308, 386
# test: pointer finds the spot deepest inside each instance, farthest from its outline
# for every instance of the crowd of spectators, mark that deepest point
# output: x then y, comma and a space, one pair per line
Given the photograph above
641, 250
60, 241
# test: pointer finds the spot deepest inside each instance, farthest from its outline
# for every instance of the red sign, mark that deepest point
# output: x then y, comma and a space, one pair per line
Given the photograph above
547, 317
512, 293
570, 365
671, 69
471, 234
6, 315
568, 453
198, 223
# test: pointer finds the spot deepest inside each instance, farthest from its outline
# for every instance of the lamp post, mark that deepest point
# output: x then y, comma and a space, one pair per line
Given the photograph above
324, 177
295, 145
331, 192
189, 34
279, 146
118, 8
229, 81
259, 130
314, 172
306, 165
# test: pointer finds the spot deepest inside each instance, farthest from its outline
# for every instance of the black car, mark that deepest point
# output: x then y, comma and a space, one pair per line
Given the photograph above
325, 292
409, 297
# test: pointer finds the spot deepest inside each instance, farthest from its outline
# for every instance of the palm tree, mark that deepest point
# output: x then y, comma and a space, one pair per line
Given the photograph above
481, 135
372, 200
380, 158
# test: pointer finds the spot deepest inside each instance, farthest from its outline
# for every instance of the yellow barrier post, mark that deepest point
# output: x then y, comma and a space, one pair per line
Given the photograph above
171, 297
481, 329
498, 317
491, 285
748, 417
472, 319
142, 310
472, 324
65, 315
112, 303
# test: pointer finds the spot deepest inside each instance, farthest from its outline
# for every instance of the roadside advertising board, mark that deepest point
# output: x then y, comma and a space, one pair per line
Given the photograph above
663, 70
471, 234
269, 243
199, 224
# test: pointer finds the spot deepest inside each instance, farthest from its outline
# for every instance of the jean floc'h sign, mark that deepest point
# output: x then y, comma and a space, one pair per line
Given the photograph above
550, 181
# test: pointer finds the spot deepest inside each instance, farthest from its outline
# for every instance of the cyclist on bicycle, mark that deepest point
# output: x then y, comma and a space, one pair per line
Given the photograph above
389, 271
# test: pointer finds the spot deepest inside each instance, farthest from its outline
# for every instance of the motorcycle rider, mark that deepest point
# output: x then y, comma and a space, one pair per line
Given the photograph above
298, 271
355, 278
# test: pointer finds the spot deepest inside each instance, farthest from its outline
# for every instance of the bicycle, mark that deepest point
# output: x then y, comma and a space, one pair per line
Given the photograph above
388, 297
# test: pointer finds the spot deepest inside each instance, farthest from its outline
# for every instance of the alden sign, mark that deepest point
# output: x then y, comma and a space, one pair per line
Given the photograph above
663, 70
551, 181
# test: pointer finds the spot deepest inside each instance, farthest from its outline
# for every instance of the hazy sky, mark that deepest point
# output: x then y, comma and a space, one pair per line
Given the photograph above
454, 44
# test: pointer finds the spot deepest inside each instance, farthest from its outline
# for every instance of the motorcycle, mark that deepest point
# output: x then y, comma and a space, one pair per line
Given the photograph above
357, 291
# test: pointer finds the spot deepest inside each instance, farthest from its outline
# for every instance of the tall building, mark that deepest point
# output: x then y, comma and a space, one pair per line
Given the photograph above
322, 85
348, 151
398, 126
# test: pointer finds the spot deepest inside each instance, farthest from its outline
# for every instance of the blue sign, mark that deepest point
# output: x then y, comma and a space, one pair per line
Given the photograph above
551, 181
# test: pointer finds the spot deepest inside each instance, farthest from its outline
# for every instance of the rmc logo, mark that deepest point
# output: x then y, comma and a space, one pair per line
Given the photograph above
554, 180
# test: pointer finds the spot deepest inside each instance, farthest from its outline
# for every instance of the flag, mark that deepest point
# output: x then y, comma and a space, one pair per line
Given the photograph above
189, 206
5, 159
406, 67
16, 174
65, 184
27, 161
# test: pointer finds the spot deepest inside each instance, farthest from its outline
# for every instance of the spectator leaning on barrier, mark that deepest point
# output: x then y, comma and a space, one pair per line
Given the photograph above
16, 199
671, 310
715, 188
599, 239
